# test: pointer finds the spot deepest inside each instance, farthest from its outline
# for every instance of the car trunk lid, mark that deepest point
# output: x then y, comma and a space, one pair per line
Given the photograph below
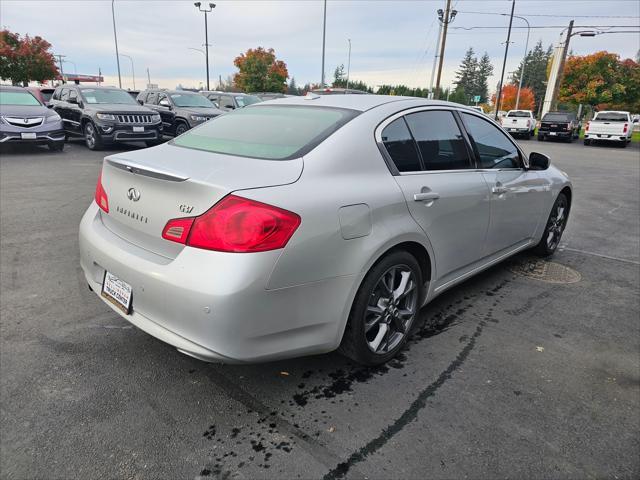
147, 188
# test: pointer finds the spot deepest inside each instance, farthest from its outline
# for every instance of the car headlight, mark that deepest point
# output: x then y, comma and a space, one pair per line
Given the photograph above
53, 118
105, 116
199, 118
155, 117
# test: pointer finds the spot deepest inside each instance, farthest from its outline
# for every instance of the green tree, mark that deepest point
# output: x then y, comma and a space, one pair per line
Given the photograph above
466, 76
339, 77
459, 96
483, 72
25, 59
260, 71
292, 88
535, 65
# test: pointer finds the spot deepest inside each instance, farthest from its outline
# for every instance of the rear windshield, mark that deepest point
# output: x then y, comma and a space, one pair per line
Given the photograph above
519, 113
611, 117
267, 132
556, 117
8, 97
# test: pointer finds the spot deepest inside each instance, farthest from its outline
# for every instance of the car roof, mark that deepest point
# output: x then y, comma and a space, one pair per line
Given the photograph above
13, 87
357, 102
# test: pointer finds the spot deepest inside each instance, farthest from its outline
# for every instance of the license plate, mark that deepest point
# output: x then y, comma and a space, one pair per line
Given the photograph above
604, 136
138, 129
117, 291
28, 136
552, 133
554, 126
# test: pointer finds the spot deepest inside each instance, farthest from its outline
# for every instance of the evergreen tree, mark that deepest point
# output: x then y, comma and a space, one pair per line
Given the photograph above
484, 71
339, 77
466, 76
535, 72
292, 88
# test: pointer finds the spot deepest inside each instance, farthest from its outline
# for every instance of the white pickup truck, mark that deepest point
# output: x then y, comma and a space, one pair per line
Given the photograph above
612, 126
519, 122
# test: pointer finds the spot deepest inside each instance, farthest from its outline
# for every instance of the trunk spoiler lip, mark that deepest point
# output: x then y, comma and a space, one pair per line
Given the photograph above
145, 170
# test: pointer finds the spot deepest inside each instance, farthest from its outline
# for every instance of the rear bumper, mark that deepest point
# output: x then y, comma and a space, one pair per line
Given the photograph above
213, 305
606, 137
559, 134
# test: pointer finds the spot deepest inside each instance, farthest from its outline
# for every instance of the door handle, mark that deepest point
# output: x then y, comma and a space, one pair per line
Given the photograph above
498, 190
421, 197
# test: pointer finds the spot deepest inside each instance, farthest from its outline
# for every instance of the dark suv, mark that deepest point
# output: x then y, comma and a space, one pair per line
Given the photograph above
105, 115
563, 125
180, 109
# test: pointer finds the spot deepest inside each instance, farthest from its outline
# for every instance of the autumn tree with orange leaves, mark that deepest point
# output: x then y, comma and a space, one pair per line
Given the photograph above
260, 71
508, 102
603, 81
24, 59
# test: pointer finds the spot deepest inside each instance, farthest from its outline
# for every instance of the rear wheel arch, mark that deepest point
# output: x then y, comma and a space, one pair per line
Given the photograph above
567, 193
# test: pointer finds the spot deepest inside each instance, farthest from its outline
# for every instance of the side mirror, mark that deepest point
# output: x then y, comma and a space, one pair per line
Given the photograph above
49, 105
165, 103
538, 161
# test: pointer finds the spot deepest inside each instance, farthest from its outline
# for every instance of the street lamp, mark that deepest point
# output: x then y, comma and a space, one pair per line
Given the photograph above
206, 10
349, 63
115, 37
524, 61
133, 73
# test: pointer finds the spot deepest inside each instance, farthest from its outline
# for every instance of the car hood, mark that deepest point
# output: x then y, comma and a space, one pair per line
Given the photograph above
24, 111
201, 110
120, 108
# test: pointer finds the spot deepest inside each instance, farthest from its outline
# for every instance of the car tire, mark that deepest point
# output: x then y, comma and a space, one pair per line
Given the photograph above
624, 144
532, 133
541, 138
381, 320
556, 224
92, 138
587, 142
181, 127
56, 146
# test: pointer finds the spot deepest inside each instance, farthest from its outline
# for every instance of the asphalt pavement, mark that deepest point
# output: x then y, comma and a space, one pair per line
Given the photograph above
509, 376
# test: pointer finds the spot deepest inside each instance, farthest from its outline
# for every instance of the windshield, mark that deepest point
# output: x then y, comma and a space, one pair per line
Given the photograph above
556, 117
267, 132
8, 97
106, 95
190, 100
611, 117
244, 100
519, 113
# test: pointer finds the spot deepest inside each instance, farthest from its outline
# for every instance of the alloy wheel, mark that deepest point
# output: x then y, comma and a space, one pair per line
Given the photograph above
391, 309
557, 223
90, 136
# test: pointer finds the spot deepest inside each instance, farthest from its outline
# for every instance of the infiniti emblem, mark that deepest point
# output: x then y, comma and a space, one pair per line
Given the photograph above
133, 194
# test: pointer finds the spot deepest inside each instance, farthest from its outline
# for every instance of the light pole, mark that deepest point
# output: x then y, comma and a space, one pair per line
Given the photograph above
115, 37
206, 10
504, 62
348, 63
60, 57
198, 50
75, 68
324, 35
445, 18
133, 73
524, 60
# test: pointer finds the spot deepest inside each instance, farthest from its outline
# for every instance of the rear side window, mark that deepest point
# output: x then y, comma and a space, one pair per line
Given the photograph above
400, 145
269, 132
439, 140
493, 147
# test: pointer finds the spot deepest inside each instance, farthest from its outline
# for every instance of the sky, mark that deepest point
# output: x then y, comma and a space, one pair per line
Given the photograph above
393, 41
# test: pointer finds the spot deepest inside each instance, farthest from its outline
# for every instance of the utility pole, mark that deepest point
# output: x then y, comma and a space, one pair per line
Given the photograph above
324, 35
524, 60
348, 63
504, 62
60, 57
551, 95
563, 59
435, 61
148, 78
115, 37
448, 17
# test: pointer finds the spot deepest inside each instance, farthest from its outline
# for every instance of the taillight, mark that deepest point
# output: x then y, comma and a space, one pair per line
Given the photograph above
177, 229
235, 224
568, 126
528, 123
626, 127
101, 196
586, 129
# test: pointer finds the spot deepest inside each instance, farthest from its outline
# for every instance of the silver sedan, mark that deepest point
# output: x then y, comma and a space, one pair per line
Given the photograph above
309, 224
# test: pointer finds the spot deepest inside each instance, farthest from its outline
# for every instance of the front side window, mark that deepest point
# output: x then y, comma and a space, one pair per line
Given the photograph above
73, 94
107, 96
64, 96
266, 132
151, 98
17, 97
493, 147
440, 141
400, 145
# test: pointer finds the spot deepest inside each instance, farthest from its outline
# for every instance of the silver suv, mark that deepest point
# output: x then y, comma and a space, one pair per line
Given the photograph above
230, 101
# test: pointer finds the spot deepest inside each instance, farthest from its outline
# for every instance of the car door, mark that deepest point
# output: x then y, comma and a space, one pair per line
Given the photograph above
445, 194
74, 112
164, 108
517, 194
61, 108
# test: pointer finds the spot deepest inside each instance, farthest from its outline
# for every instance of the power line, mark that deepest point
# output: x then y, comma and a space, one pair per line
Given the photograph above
546, 26
551, 15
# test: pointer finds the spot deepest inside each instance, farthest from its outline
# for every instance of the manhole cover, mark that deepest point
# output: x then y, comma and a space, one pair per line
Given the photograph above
545, 271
